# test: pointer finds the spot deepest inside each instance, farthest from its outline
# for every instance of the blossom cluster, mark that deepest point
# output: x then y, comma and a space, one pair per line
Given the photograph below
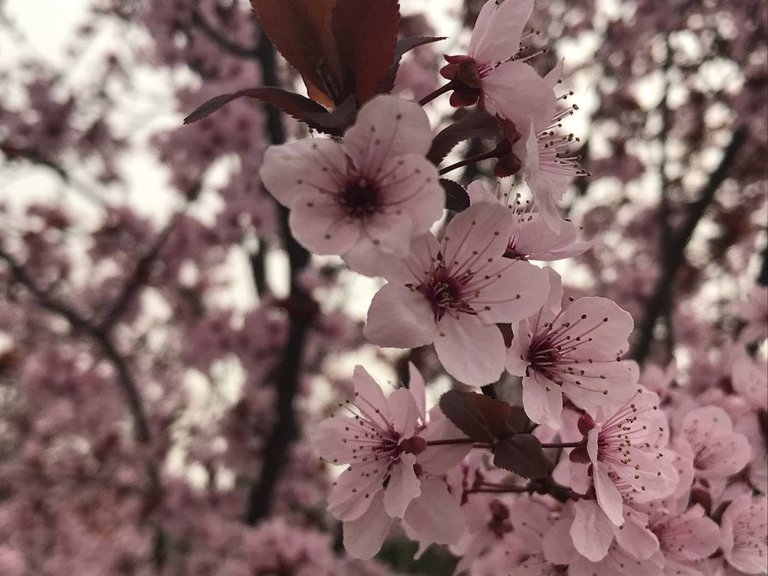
639, 482
174, 401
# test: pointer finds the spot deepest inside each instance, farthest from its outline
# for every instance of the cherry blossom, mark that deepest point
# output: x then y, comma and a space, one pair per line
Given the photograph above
489, 73
626, 450
453, 291
392, 471
685, 537
718, 452
531, 238
373, 191
572, 350
745, 534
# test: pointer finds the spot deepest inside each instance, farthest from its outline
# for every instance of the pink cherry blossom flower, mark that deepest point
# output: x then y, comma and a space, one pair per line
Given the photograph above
685, 538
392, 471
745, 534
373, 191
626, 450
574, 351
453, 291
489, 73
718, 452
531, 238
548, 166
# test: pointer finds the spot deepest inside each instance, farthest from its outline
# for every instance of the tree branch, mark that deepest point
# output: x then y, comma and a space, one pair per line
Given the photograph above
675, 252
221, 40
137, 279
301, 309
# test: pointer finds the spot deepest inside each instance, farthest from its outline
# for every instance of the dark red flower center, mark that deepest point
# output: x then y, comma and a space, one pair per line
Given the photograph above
360, 199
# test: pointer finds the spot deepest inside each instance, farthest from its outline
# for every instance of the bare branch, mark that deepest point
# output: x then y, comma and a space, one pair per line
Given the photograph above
675, 251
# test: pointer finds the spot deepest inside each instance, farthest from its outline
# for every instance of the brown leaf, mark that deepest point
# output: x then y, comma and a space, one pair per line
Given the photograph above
365, 32
521, 454
301, 31
475, 125
295, 105
482, 418
403, 46
456, 197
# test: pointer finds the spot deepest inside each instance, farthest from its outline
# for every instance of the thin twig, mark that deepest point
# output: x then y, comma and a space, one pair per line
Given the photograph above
220, 39
137, 278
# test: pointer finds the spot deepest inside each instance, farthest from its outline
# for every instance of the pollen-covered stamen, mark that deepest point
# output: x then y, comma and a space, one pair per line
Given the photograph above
360, 199
370, 440
625, 430
552, 351
554, 148
446, 293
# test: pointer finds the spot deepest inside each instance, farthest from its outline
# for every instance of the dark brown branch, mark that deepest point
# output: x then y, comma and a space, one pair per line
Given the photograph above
221, 40
81, 324
137, 279
102, 339
665, 233
675, 252
301, 309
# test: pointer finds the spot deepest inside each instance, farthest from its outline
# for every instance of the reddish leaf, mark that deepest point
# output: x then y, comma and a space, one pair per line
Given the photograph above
481, 418
301, 31
402, 47
295, 105
465, 414
456, 197
366, 33
521, 454
475, 125
337, 120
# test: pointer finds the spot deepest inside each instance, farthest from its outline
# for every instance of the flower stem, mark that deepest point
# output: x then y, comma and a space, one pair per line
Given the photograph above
440, 91
453, 441
565, 444
472, 159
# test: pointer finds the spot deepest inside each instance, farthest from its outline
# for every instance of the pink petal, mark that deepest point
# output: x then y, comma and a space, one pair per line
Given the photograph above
296, 168
371, 397
692, 536
558, 544
387, 126
440, 459
636, 539
477, 192
321, 226
354, 491
608, 495
514, 91
403, 485
388, 233
519, 290
604, 322
418, 390
469, 350
410, 186
591, 531
435, 516
363, 537
405, 413
497, 31
478, 233
542, 400
400, 318
602, 385
517, 362
327, 438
